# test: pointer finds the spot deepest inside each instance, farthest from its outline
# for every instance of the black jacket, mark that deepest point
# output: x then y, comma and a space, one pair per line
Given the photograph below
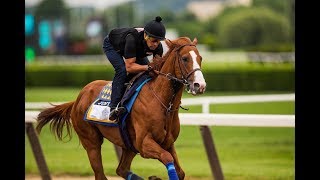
128, 42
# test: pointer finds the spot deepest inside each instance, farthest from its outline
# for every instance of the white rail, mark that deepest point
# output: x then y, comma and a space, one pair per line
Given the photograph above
204, 101
205, 118
237, 99
254, 120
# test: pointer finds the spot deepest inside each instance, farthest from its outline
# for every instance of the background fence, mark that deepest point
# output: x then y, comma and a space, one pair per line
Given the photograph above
203, 120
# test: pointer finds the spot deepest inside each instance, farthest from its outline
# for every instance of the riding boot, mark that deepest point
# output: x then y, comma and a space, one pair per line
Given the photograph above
115, 113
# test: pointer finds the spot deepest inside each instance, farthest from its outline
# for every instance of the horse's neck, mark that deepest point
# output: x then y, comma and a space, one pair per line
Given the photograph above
164, 87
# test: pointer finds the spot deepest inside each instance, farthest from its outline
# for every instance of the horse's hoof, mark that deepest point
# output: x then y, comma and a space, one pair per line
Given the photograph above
154, 178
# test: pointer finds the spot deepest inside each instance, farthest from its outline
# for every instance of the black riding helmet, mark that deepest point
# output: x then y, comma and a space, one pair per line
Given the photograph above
155, 28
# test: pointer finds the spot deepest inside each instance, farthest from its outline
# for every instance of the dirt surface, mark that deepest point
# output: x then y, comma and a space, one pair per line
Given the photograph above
34, 177
65, 177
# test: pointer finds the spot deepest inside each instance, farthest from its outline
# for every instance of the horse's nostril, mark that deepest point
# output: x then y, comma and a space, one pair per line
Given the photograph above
196, 87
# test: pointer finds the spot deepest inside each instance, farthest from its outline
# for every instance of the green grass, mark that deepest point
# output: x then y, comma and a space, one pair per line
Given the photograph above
261, 153
281, 107
50, 94
217, 61
244, 153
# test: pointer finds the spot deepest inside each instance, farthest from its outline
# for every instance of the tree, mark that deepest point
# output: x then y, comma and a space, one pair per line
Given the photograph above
51, 9
253, 27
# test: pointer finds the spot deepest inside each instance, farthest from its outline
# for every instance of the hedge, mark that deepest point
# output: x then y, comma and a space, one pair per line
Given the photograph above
232, 79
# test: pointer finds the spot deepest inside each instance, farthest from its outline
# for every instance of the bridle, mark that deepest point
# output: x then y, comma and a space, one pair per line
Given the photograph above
185, 78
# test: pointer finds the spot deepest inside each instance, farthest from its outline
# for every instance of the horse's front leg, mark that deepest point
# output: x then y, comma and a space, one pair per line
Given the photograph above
179, 170
151, 149
123, 168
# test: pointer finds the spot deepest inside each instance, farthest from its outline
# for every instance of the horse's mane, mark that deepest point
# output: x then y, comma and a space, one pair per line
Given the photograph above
172, 44
175, 43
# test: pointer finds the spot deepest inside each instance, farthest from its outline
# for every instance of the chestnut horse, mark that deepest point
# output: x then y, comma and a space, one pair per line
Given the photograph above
153, 123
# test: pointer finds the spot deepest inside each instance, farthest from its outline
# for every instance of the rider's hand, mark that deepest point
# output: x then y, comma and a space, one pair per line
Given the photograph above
150, 68
156, 63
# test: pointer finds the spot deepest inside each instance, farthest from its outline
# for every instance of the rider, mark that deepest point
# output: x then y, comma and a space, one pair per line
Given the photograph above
127, 50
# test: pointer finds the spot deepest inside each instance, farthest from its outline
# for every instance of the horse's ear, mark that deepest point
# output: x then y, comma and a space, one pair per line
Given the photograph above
169, 43
195, 41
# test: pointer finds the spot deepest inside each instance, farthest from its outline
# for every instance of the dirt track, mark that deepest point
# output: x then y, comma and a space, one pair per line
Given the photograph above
65, 177
33, 177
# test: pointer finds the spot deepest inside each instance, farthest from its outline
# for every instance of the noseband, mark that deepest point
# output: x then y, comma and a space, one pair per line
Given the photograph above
183, 81
185, 78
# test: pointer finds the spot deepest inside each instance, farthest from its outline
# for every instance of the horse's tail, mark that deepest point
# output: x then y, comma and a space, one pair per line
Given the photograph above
57, 116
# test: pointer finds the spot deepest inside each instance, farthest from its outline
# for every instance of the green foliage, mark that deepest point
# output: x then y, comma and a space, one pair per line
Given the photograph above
211, 25
125, 14
208, 39
249, 27
66, 75
253, 27
94, 49
186, 16
166, 15
51, 9
188, 28
75, 38
272, 47
284, 7
279, 6
249, 78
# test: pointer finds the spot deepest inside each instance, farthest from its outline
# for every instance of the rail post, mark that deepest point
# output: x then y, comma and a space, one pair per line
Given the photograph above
210, 147
211, 153
37, 151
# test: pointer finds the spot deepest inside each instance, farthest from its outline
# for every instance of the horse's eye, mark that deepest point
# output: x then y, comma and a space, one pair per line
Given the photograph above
185, 59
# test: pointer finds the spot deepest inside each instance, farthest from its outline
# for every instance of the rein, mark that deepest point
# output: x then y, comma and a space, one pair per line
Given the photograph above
185, 78
169, 76
170, 103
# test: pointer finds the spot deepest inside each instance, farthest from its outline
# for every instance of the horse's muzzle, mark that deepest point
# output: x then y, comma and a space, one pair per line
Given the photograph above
196, 88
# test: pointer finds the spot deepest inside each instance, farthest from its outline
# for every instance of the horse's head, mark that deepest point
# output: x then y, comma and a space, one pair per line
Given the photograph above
187, 64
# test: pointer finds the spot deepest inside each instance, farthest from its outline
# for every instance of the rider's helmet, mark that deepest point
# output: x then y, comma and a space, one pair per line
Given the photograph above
155, 28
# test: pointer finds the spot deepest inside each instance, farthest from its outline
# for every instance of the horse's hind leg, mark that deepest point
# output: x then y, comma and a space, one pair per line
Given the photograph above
93, 147
124, 166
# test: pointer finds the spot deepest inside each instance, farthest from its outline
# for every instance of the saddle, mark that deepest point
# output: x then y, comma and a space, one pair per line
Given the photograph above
99, 110
132, 85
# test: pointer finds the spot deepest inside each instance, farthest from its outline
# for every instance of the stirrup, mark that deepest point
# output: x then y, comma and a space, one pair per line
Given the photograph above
115, 113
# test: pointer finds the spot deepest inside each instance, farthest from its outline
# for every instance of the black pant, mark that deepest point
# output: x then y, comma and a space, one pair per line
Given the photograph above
121, 76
